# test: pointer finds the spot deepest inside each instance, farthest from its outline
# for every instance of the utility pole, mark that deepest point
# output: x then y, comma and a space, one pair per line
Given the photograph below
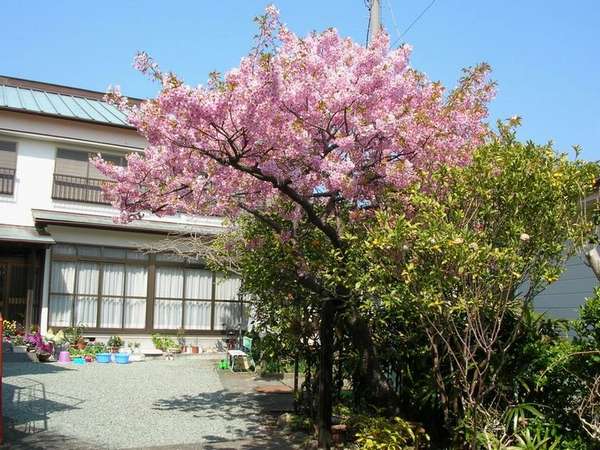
374, 20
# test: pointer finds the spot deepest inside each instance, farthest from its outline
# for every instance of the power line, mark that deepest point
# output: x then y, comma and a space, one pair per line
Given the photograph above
394, 22
414, 22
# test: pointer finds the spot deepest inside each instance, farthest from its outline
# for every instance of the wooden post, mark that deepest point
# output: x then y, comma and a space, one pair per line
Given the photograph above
296, 383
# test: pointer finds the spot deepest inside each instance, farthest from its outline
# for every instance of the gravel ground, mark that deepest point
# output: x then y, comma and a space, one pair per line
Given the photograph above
140, 405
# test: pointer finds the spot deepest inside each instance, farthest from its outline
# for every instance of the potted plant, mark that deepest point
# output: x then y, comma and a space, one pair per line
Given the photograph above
9, 328
18, 344
166, 344
38, 345
114, 343
74, 337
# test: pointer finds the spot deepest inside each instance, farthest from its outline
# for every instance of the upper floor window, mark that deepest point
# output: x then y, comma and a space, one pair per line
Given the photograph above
8, 166
77, 179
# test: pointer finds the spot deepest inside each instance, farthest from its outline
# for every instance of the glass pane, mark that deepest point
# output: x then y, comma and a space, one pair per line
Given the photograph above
63, 277
198, 284
227, 288
228, 315
87, 278
137, 281
111, 313
135, 313
134, 254
63, 249
61, 308
167, 314
118, 253
197, 315
169, 257
86, 250
113, 279
86, 310
169, 282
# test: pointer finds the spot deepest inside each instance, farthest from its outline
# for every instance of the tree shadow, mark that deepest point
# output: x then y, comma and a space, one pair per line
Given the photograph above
250, 408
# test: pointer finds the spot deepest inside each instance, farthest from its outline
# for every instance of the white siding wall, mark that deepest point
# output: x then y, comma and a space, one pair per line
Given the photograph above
563, 298
35, 165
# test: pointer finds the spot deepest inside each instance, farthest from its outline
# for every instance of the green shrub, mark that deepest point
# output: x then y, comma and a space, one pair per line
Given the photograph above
163, 342
588, 325
382, 433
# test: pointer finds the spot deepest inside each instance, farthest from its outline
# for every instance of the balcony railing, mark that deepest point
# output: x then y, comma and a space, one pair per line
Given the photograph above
7, 180
78, 189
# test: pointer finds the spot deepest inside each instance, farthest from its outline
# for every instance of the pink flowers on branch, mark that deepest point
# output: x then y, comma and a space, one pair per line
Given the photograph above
315, 120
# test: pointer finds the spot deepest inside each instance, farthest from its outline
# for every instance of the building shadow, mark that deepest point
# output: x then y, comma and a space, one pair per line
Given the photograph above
27, 404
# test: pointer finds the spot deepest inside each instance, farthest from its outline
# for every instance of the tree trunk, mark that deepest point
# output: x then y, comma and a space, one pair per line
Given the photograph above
369, 382
326, 335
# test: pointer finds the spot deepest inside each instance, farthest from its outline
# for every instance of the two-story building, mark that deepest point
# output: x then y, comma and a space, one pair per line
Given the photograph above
63, 260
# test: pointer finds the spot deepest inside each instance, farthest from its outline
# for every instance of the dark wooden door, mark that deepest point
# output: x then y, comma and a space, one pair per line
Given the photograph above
13, 290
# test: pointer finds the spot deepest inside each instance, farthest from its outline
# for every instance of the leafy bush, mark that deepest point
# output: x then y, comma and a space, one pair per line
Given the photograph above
382, 433
163, 342
588, 325
115, 342
74, 334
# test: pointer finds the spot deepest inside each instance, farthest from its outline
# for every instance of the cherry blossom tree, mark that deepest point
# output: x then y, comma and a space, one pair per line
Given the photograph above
312, 129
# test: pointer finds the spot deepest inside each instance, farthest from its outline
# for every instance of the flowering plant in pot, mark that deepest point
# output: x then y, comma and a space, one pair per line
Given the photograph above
9, 327
36, 343
114, 343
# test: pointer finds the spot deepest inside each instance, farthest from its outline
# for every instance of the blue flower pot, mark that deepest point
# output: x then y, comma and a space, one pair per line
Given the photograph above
103, 357
79, 360
122, 358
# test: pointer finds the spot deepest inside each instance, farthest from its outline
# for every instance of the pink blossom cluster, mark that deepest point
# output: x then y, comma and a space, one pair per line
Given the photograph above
306, 120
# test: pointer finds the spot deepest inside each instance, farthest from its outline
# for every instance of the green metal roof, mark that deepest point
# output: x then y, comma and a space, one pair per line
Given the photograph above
60, 105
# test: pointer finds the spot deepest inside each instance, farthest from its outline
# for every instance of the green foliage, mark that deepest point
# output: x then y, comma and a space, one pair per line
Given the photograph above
588, 325
115, 342
381, 433
73, 335
89, 350
163, 343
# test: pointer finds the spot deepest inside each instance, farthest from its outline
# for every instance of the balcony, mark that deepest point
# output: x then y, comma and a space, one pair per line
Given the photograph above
78, 189
7, 180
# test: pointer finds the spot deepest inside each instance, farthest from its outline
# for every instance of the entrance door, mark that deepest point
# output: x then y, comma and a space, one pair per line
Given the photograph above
13, 290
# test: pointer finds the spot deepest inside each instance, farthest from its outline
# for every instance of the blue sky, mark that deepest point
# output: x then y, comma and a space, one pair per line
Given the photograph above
545, 54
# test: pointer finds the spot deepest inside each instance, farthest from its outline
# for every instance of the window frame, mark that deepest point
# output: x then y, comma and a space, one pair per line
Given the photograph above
151, 263
8, 175
85, 184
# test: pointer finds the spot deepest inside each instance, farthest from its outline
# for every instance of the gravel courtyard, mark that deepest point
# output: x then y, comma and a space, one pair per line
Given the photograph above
150, 404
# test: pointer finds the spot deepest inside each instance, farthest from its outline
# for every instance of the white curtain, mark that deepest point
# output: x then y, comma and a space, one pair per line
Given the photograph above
86, 311
227, 315
198, 284
62, 281
136, 286
63, 277
60, 310
227, 287
197, 315
113, 280
167, 314
86, 306
169, 282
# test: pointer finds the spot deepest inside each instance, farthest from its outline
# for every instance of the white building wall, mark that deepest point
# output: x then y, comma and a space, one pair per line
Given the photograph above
36, 153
